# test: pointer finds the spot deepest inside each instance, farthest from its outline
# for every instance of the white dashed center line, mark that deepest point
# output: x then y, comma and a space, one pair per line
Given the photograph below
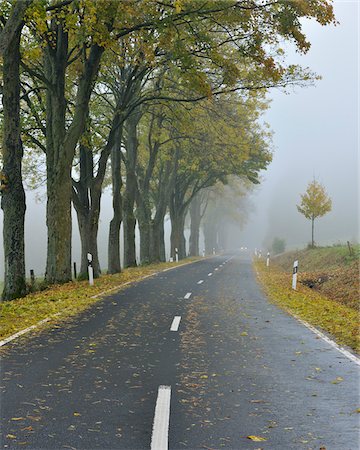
188, 295
200, 282
160, 433
175, 323
216, 268
209, 274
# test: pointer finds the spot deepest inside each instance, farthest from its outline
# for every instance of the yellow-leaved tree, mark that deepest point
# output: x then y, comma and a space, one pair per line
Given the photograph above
314, 203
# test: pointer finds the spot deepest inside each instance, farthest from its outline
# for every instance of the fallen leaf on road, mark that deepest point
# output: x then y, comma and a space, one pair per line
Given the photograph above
11, 436
34, 418
337, 380
77, 414
18, 418
256, 438
244, 333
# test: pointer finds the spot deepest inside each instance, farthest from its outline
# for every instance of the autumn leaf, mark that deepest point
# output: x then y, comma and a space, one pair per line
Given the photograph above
11, 436
256, 438
337, 380
77, 414
17, 418
244, 333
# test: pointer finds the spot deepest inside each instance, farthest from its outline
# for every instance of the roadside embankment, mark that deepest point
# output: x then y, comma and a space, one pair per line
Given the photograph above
327, 294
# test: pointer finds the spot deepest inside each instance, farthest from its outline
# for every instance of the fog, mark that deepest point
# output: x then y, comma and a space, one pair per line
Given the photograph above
315, 135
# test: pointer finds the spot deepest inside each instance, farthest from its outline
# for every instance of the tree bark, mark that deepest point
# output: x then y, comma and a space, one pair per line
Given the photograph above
195, 219
114, 264
13, 194
8, 34
177, 238
131, 145
143, 214
58, 165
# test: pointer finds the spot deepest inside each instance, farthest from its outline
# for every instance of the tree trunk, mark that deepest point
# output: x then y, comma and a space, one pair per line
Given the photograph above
195, 219
312, 232
58, 166
88, 227
114, 265
61, 142
58, 221
143, 213
129, 221
131, 145
210, 232
157, 242
177, 237
161, 199
162, 242
86, 200
13, 195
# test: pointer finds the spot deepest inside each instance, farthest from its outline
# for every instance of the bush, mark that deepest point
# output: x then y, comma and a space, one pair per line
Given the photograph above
278, 246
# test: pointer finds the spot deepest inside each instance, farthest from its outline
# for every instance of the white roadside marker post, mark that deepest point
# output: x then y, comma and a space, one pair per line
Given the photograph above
256, 252
176, 255
213, 251
268, 259
295, 271
90, 269
203, 253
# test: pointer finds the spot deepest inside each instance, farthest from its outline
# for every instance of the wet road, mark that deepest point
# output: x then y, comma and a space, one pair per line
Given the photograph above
234, 366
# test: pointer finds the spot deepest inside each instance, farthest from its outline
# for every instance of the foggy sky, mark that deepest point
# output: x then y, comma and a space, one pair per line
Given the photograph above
315, 134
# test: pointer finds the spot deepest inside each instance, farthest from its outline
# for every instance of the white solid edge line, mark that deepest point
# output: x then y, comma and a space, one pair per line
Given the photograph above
20, 333
188, 295
323, 336
342, 350
160, 432
200, 281
175, 323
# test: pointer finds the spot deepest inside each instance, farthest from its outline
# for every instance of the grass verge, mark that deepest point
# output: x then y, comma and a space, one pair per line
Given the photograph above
68, 299
333, 318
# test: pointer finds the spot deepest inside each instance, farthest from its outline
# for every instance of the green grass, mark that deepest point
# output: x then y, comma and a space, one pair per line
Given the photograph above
60, 302
319, 258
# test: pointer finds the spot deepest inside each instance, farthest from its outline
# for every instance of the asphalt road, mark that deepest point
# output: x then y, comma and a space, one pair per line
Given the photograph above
237, 366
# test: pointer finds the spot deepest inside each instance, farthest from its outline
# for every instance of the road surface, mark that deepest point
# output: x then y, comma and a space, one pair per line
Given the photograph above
192, 358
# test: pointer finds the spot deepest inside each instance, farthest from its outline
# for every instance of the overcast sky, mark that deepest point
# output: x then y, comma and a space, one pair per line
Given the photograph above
315, 134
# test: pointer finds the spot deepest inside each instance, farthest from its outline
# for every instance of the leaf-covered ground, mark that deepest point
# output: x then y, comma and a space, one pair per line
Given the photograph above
334, 318
331, 271
63, 301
